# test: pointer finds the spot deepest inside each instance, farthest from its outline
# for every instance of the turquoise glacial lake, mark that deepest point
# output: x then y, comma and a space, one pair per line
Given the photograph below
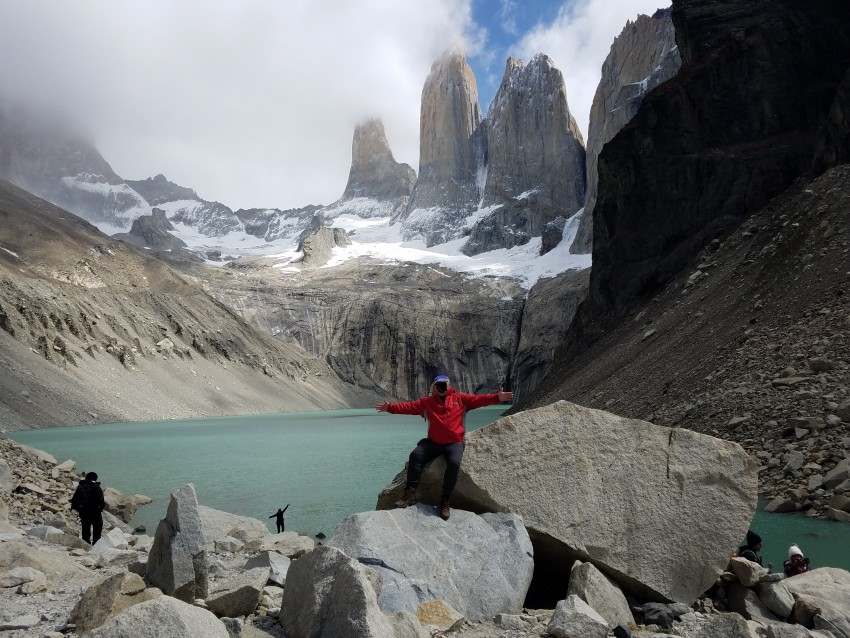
327, 465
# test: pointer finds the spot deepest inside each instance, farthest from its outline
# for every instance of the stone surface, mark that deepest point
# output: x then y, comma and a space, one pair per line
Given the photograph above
643, 56
109, 597
374, 173
584, 480
277, 564
829, 590
597, 590
440, 615
328, 594
56, 567
163, 616
451, 152
218, 524
573, 617
239, 595
422, 558
177, 563
535, 157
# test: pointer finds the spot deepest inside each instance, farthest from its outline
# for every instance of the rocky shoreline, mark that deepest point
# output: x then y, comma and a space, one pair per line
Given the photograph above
240, 580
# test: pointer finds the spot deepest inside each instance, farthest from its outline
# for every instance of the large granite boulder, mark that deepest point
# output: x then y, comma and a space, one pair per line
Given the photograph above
422, 558
177, 562
238, 595
828, 590
218, 525
124, 506
655, 508
109, 597
329, 594
55, 565
163, 616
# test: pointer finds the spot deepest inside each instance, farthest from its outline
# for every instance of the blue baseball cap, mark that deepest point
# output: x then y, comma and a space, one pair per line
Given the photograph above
440, 378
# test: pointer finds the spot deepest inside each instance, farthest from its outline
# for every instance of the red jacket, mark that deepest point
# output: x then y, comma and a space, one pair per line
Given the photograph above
445, 419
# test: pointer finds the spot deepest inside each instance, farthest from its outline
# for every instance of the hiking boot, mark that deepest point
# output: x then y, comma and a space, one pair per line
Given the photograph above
408, 499
445, 510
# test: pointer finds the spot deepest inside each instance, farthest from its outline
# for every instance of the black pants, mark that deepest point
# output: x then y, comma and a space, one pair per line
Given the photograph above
279, 525
425, 452
92, 524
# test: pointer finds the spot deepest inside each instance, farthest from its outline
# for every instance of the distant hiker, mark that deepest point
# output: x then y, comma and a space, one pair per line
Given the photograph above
751, 550
445, 411
89, 503
796, 563
278, 517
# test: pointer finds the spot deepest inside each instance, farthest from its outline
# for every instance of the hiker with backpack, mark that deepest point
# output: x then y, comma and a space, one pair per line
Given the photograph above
445, 411
89, 503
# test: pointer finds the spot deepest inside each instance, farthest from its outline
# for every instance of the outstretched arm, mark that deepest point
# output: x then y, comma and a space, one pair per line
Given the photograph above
383, 407
505, 396
286, 508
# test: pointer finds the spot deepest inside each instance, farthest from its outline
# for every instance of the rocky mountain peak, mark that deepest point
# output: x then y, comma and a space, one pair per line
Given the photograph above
374, 172
643, 56
452, 149
535, 157
158, 190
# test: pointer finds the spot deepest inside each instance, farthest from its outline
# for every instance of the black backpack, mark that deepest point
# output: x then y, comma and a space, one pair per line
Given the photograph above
81, 498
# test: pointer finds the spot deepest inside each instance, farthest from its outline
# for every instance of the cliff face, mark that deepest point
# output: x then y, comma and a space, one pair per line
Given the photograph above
374, 172
715, 143
95, 330
394, 327
643, 56
451, 152
40, 155
535, 157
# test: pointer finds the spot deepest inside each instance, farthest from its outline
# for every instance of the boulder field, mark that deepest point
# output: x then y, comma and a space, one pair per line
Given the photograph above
624, 525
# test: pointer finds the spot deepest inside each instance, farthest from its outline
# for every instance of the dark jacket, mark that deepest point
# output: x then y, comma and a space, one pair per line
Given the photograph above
88, 498
749, 554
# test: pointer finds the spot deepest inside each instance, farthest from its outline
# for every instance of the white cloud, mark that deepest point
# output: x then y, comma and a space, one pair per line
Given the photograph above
578, 41
252, 103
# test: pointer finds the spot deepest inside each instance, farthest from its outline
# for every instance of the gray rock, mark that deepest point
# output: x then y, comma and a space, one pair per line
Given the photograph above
277, 564
657, 614
586, 480
7, 481
715, 626
643, 56
163, 616
177, 562
828, 588
240, 594
573, 617
440, 616
109, 597
776, 598
748, 573
327, 594
744, 601
421, 558
218, 524
598, 591
19, 575
405, 625
55, 566
374, 173
19, 622
289, 544
837, 475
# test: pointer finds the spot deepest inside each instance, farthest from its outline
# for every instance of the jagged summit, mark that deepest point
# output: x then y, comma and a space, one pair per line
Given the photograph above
643, 56
158, 190
452, 149
374, 172
535, 157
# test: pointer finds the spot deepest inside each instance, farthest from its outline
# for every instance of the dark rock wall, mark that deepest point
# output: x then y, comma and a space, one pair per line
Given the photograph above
734, 128
643, 56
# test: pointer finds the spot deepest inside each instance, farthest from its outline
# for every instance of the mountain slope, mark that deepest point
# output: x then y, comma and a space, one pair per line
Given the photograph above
94, 330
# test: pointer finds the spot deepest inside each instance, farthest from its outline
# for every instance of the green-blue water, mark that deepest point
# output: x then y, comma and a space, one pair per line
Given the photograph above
328, 465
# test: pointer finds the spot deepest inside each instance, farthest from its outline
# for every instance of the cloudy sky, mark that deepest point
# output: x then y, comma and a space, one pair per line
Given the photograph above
253, 102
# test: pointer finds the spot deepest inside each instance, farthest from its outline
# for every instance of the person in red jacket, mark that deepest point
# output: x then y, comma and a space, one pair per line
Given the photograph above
445, 411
